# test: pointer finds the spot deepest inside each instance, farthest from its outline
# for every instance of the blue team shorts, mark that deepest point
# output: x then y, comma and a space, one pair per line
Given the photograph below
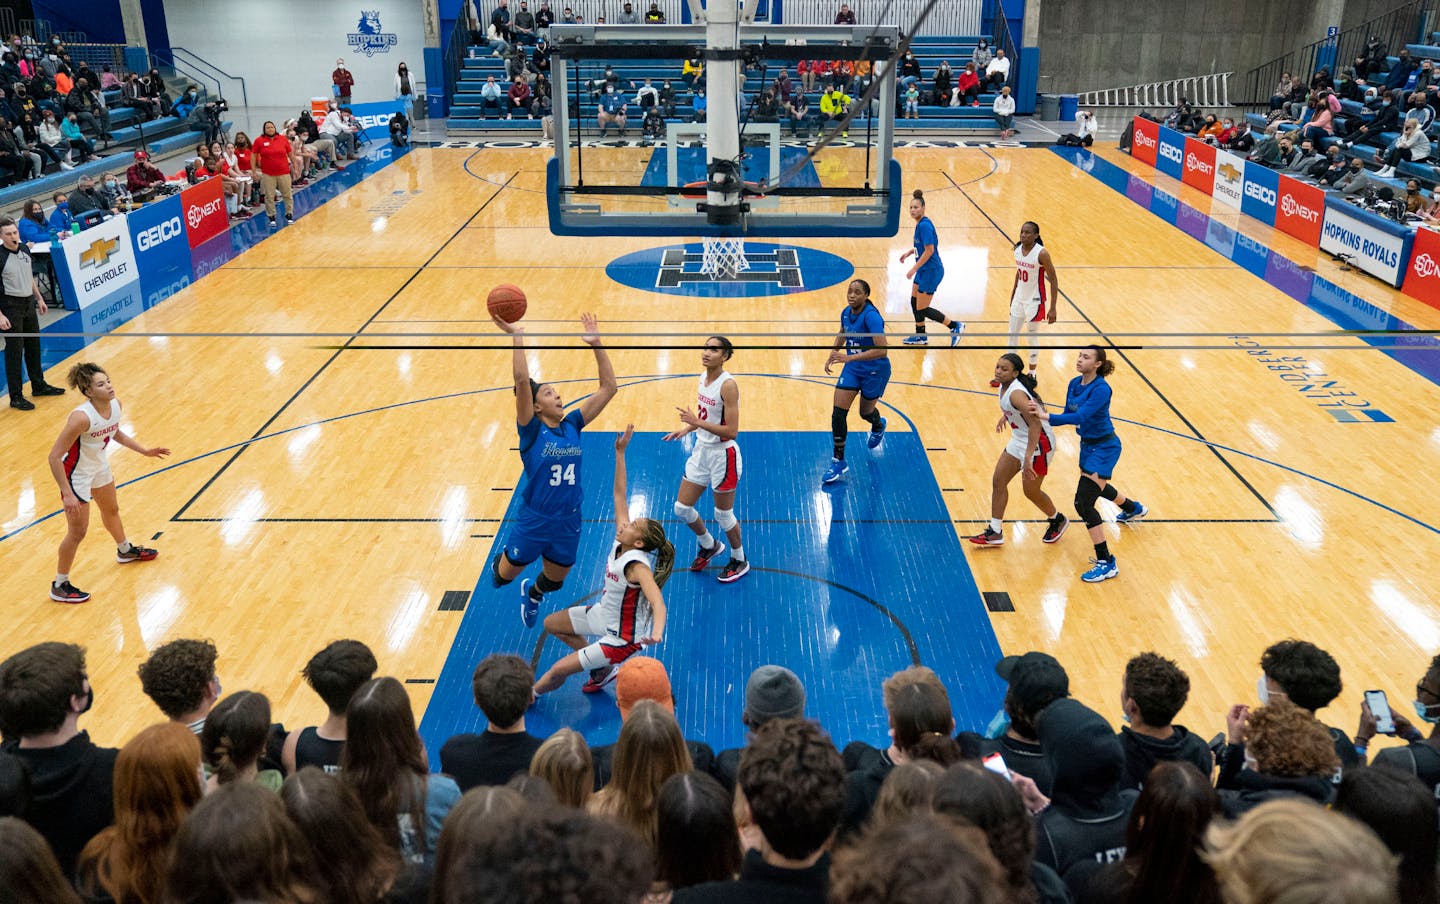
927, 281
1100, 458
535, 536
870, 377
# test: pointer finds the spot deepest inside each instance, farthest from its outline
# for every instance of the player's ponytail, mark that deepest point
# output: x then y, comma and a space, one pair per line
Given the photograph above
82, 375
1106, 367
654, 540
1026, 380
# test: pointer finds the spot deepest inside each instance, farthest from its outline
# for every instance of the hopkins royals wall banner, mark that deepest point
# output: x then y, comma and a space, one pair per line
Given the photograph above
1145, 140
1170, 157
204, 211
1300, 210
1199, 169
1422, 279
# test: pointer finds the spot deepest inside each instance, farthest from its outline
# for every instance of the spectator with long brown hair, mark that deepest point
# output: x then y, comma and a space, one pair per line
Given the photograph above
696, 836
917, 705
906, 791
1400, 809
239, 846
28, 871
924, 859
354, 864
483, 811
234, 738
157, 784
384, 764
649, 751
564, 762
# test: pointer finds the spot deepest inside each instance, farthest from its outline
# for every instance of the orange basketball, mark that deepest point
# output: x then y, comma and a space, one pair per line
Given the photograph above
506, 302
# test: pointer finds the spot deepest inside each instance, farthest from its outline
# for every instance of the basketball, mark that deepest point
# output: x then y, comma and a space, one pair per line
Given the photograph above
506, 302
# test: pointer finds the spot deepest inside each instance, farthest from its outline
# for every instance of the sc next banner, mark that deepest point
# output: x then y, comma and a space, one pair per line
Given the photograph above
1300, 210
1199, 169
1170, 158
1145, 140
1422, 278
205, 216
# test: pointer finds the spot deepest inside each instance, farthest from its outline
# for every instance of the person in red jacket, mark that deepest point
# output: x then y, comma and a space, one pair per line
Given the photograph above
142, 177
271, 168
344, 82
967, 88
519, 95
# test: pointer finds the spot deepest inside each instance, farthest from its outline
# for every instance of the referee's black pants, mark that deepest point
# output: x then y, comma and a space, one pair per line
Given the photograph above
24, 318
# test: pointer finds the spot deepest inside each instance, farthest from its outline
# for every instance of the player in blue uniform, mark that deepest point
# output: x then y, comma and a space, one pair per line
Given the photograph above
1087, 406
866, 371
548, 526
926, 275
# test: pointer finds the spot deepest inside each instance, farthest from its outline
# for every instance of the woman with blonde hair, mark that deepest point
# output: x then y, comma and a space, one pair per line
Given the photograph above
564, 762
157, 784
1293, 852
650, 750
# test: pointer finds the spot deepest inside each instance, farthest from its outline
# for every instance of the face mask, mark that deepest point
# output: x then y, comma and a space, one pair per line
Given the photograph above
1251, 763
998, 725
1125, 717
89, 700
1423, 712
1262, 693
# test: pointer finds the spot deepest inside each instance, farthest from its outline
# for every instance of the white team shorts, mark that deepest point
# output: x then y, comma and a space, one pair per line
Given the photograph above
1044, 452
1025, 311
83, 482
608, 650
714, 465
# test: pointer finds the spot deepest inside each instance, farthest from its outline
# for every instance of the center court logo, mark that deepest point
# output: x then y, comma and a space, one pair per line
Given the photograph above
1293, 208
1172, 153
1193, 162
368, 38
1261, 193
1145, 141
773, 270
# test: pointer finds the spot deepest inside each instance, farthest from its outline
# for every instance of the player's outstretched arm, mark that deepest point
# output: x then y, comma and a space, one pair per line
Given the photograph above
524, 398
621, 494
597, 400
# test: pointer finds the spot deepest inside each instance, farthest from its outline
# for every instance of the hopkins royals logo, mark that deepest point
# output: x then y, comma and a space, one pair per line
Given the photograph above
368, 37
1293, 208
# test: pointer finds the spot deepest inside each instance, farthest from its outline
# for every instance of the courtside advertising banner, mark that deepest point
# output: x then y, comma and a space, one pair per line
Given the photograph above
1422, 277
1170, 157
1369, 245
1229, 185
162, 252
1145, 140
1300, 210
1260, 193
1199, 165
98, 262
204, 211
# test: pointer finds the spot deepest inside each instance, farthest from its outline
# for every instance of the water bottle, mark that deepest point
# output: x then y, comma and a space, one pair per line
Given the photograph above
74, 228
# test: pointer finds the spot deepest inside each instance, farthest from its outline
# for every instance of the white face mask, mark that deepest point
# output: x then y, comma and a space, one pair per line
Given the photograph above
1262, 692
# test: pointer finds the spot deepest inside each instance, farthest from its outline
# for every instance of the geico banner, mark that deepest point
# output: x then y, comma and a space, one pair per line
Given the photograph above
1300, 210
99, 261
1260, 193
374, 119
1199, 169
204, 211
1145, 140
162, 252
1229, 185
1170, 156
1368, 245
1422, 277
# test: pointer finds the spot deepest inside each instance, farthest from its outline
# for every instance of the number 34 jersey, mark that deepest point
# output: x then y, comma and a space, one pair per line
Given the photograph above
551, 456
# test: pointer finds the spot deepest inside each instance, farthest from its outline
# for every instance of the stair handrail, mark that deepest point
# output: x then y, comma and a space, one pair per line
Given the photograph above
1210, 90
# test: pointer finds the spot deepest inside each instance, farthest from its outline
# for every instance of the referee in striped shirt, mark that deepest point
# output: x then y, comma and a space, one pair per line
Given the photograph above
20, 310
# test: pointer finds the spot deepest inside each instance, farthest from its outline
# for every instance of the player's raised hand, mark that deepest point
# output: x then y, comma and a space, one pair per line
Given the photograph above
688, 417
506, 326
623, 439
591, 326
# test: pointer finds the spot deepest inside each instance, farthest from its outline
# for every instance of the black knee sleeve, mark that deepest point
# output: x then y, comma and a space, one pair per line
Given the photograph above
1109, 492
495, 577
915, 310
1085, 495
545, 585
933, 314
838, 425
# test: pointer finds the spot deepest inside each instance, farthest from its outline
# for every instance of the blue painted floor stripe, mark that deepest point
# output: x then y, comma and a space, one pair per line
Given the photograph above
1340, 306
850, 583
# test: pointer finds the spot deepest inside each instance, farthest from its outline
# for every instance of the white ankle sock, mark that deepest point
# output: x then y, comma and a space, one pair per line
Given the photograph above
995, 525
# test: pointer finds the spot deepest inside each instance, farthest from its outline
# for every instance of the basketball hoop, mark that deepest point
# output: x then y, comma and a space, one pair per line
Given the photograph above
724, 257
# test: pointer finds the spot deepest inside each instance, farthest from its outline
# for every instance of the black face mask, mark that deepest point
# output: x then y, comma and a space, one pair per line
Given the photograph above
89, 700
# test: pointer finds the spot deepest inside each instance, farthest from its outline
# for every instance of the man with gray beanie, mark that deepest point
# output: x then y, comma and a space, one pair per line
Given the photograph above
773, 692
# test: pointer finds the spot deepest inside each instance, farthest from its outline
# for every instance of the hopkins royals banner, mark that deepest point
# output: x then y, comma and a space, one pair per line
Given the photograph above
1300, 210
1199, 169
1145, 140
204, 211
1422, 279
1375, 244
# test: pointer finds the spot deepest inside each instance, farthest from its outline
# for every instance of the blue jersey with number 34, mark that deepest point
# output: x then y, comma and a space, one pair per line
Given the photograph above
552, 465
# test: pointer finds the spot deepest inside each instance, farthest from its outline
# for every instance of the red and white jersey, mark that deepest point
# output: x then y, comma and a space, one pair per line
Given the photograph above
624, 610
711, 407
1017, 419
1029, 275
87, 454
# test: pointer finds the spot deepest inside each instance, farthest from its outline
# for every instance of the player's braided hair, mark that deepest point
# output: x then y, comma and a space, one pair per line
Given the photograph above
1026, 380
654, 540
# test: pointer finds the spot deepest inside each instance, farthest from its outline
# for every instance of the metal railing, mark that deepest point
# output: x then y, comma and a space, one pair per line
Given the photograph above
185, 63
98, 55
7, 22
1404, 25
39, 29
1006, 42
949, 17
1201, 90
455, 53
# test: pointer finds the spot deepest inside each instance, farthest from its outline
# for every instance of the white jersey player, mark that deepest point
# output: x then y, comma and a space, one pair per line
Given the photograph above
1031, 446
1034, 297
714, 463
81, 467
631, 611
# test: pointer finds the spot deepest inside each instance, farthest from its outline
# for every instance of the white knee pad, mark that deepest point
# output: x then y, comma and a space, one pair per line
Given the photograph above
726, 519
686, 513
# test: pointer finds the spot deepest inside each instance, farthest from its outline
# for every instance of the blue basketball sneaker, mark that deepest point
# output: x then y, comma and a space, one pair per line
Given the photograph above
529, 606
877, 435
1101, 570
917, 339
1129, 517
836, 470
956, 329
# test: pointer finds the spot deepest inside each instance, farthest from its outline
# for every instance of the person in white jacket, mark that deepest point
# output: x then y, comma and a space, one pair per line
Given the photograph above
997, 71
336, 130
405, 90
1004, 108
1412, 145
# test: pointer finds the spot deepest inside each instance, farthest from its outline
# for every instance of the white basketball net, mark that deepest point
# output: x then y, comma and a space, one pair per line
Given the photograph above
724, 257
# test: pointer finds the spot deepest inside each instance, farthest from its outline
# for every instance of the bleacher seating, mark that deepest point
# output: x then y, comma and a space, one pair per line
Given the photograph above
465, 109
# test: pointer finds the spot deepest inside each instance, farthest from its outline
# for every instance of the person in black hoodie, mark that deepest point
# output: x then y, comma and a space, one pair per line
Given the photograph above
1309, 677
917, 706
1286, 752
1154, 691
1084, 825
43, 692
1386, 119
1036, 680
